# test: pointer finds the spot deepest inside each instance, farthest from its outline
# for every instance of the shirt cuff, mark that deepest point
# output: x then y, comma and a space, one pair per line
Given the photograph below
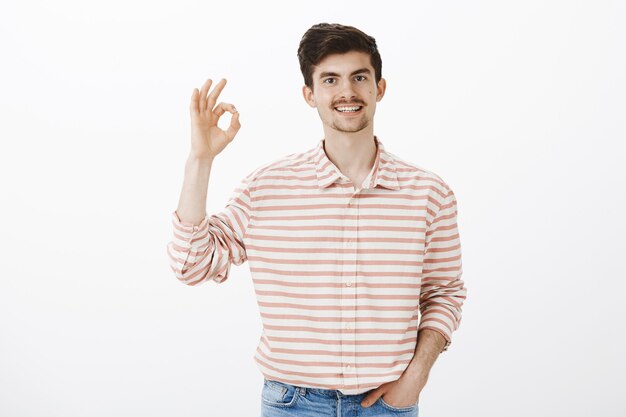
187, 231
441, 332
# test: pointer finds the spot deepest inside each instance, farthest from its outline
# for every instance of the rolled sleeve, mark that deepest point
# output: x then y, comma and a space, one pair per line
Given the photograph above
203, 252
442, 292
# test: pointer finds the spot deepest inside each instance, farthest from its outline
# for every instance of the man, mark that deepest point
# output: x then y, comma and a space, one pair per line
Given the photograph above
346, 242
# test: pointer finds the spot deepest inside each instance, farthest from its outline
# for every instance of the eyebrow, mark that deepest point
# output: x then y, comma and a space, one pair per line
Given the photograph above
334, 74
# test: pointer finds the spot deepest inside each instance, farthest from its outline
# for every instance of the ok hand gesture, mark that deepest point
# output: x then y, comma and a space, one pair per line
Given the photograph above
207, 139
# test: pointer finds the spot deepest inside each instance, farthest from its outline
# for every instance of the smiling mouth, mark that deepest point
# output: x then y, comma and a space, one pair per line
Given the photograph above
348, 109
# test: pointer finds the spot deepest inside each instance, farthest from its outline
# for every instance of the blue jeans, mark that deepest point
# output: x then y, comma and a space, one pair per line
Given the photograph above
279, 399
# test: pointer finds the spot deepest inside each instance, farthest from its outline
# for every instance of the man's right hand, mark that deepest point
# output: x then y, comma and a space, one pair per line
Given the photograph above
207, 139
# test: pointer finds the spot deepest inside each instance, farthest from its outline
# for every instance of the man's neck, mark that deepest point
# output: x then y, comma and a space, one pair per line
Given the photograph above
353, 153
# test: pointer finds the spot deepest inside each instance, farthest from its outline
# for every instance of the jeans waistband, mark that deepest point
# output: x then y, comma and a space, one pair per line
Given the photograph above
334, 393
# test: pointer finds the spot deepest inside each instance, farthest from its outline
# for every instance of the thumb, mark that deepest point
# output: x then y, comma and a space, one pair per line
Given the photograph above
371, 398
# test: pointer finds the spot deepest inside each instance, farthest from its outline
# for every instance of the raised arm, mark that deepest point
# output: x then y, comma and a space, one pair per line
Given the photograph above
203, 247
207, 141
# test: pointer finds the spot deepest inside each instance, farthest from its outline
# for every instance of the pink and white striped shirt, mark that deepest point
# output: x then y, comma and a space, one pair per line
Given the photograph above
344, 277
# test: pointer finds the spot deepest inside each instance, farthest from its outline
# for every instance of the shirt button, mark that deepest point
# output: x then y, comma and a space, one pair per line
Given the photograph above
347, 366
349, 283
348, 326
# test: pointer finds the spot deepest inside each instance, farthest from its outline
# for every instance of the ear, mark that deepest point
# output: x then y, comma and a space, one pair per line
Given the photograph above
307, 93
380, 89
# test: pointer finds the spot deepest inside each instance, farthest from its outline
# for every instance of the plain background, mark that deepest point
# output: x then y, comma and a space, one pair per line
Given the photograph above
518, 106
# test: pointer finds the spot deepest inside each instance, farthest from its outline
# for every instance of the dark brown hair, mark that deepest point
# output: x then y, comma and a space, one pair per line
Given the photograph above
324, 39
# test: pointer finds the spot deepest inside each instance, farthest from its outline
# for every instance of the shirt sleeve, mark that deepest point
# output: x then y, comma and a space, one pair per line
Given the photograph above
203, 252
442, 292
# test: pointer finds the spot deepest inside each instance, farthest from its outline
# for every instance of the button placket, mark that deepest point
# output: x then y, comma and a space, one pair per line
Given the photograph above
344, 297
351, 260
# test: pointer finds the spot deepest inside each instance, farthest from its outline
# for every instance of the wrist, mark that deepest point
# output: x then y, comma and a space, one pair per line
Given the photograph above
195, 160
415, 373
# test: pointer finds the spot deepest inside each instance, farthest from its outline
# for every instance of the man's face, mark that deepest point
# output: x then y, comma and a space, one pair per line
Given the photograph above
345, 91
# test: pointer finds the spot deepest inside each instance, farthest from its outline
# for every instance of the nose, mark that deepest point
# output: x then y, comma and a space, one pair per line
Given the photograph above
346, 90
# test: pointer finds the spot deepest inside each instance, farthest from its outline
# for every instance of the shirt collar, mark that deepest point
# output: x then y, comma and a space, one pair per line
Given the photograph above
383, 172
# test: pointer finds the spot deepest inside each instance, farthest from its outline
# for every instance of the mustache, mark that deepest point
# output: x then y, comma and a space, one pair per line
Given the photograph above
343, 103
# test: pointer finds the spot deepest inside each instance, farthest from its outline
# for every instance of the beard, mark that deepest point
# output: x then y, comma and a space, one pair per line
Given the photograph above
347, 125
350, 127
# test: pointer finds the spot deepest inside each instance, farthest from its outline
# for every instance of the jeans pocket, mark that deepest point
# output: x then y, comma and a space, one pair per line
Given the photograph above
398, 409
278, 394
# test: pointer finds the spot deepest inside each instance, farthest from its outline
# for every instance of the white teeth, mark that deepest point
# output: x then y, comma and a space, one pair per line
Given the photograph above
348, 109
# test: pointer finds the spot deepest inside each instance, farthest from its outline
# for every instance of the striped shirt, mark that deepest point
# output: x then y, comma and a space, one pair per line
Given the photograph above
344, 277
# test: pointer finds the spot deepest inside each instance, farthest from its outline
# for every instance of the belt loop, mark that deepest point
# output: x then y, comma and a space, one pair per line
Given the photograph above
302, 390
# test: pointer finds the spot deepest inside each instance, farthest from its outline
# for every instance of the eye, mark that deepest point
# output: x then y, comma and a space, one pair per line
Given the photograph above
329, 81
360, 78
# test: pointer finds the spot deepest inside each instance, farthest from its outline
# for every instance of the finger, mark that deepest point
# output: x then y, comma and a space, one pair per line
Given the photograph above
221, 108
212, 99
370, 399
193, 105
203, 93
234, 126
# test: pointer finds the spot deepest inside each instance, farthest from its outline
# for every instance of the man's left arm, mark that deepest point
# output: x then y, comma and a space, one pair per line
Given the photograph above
441, 296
